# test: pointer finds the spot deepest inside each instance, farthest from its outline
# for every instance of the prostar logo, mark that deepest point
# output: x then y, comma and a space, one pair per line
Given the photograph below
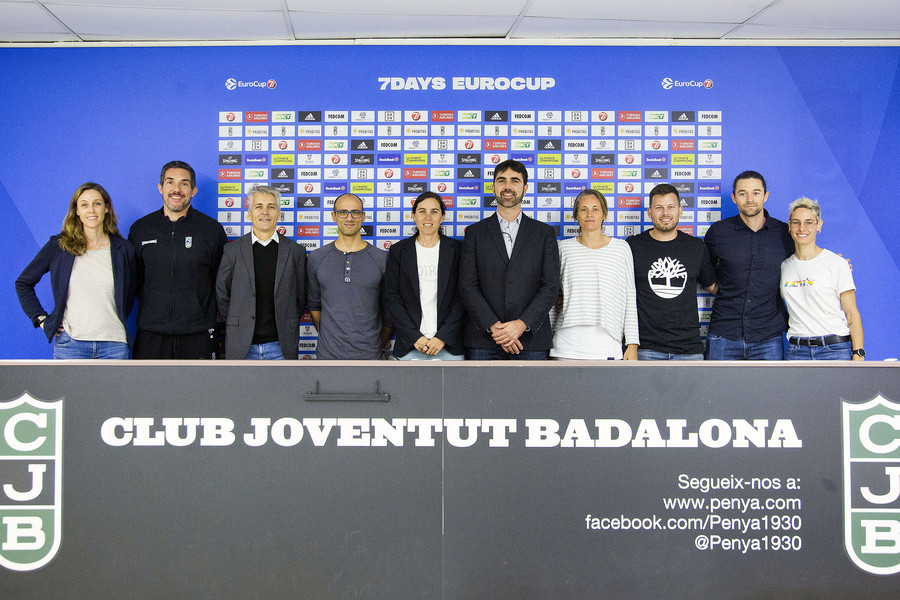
31, 494
871, 453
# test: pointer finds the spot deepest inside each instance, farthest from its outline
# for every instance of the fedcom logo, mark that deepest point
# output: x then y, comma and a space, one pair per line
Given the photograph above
871, 451
30, 482
668, 83
231, 83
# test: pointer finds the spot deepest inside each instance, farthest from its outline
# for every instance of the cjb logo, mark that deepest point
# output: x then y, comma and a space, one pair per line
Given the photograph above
872, 485
30, 482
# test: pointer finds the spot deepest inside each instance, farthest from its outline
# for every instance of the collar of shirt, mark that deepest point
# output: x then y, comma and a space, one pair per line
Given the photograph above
505, 223
739, 222
511, 231
256, 240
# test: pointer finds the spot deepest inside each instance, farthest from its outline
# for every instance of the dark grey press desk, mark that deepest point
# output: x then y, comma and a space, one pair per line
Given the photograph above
388, 481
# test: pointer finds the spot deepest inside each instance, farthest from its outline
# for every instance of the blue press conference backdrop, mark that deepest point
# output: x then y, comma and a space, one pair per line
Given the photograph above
819, 122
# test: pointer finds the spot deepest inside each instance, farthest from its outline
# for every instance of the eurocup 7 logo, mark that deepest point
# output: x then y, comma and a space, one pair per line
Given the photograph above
872, 485
30, 482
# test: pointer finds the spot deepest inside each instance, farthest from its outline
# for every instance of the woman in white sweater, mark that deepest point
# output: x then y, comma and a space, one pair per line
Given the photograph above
598, 311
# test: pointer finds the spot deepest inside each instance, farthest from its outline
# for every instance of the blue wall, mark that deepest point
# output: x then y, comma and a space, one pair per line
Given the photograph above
818, 122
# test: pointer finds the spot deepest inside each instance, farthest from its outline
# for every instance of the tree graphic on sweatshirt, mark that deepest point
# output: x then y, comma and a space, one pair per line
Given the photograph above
667, 277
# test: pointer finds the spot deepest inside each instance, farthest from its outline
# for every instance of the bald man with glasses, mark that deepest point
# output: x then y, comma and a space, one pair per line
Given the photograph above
344, 289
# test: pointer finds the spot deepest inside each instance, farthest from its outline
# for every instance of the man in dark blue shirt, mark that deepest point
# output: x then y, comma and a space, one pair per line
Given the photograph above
748, 317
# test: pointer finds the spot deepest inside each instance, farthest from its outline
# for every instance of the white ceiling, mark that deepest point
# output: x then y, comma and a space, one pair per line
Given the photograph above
734, 21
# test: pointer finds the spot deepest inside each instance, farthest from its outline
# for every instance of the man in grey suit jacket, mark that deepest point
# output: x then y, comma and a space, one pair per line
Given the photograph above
261, 285
509, 276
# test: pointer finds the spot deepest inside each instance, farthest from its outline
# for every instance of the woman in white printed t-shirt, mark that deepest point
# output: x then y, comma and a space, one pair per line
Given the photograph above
818, 291
93, 277
420, 300
599, 303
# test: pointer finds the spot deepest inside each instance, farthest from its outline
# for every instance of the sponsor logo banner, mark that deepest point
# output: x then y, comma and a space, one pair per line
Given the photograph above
630, 115
683, 144
309, 201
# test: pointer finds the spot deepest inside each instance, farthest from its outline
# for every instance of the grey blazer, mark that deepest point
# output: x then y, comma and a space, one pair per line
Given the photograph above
236, 295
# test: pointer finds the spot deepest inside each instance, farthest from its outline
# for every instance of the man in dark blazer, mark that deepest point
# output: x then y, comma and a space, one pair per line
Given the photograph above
261, 285
509, 276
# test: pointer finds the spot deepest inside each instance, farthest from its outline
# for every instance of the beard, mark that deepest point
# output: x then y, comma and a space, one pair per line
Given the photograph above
515, 200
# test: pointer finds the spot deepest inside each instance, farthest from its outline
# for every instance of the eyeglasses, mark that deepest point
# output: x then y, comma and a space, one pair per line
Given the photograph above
809, 223
356, 214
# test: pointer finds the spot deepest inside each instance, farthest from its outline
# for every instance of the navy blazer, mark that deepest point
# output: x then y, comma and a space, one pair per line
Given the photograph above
236, 295
523, 286
403, 309
59, 263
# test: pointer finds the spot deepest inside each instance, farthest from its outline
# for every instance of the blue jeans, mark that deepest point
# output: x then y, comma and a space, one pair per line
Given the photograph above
839, 351
720, 348
267, 351
498, 354
649, 354
442, 355
65, 348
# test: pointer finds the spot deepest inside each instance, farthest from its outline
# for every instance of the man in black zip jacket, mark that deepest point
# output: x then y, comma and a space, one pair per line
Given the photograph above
178, 250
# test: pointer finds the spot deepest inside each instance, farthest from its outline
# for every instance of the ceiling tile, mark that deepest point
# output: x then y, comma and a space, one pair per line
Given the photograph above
331, 26
109, 23
702, 11
411, 7
35, 37
531, 27
204, 4
27, 17
810, 33
853, 15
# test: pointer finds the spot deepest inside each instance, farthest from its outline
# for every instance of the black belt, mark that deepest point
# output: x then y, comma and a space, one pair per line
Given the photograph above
826, 340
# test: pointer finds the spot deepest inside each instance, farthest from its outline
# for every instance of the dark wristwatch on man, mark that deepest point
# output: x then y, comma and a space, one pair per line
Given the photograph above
861, 352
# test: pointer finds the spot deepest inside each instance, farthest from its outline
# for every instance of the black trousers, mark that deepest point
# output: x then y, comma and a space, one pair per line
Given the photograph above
189, 346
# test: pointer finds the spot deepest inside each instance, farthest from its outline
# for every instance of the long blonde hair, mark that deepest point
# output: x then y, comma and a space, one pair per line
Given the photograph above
71, 237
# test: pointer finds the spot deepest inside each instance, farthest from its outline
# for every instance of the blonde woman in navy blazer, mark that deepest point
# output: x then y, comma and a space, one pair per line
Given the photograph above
402, 290
90, 235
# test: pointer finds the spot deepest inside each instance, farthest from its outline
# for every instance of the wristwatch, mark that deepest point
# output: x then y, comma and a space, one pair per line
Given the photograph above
860, 352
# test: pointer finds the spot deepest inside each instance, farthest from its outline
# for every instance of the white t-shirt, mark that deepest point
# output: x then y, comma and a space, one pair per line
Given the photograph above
427, 261
90, 313
812, 294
